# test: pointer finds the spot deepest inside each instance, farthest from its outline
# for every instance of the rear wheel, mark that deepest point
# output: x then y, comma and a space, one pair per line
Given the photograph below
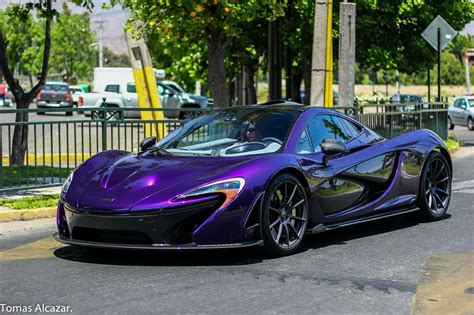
435, 187
284, 215
450, 123
470, 124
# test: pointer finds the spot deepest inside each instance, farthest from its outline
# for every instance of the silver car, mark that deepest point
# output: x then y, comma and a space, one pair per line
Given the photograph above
461, 112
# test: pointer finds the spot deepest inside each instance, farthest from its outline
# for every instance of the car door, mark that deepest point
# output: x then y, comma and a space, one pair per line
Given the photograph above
345, 186
463, 113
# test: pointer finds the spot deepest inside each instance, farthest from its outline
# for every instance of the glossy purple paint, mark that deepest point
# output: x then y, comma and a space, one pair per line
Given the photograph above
117, 182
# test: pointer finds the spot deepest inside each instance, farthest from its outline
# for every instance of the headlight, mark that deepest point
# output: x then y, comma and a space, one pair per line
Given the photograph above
66, 184
229, 187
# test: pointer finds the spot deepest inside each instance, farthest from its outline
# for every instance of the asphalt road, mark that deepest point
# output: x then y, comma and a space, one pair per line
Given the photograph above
369, 268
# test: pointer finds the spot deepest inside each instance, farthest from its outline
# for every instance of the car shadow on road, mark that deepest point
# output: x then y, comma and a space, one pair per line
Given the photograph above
229, 257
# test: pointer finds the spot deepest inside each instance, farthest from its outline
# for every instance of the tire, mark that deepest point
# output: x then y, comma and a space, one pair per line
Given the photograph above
470, 124
435, 188
450, 124
189, 115
284, 215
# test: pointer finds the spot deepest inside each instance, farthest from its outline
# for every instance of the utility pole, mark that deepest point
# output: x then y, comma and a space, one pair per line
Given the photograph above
101, 42
321, 74
347, 13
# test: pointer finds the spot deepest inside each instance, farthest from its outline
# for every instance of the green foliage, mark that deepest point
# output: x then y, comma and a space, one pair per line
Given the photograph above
389, 32
71, 50
71, 38
25, 37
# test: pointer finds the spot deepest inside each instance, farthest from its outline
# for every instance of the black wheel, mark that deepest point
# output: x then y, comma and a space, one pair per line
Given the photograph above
189, 115
435, 187
284, 215
450, 123
470, 124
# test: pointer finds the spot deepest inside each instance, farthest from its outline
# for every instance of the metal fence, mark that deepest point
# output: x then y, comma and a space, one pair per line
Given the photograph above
56, 147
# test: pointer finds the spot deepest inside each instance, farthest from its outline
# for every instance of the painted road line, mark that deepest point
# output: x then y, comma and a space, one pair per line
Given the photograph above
446, 283
43, 248
466, 186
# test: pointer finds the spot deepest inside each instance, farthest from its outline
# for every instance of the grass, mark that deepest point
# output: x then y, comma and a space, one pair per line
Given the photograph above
34, 202
452, 144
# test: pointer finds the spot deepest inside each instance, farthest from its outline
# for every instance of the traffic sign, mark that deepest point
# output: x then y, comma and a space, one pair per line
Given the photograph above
447, 33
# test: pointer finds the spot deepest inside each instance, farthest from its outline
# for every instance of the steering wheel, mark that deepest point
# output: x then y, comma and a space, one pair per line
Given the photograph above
272, 139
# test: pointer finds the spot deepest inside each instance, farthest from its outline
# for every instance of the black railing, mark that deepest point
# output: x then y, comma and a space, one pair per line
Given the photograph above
55, 147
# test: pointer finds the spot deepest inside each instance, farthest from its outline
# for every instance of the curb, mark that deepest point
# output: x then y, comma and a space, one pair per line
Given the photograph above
27, 214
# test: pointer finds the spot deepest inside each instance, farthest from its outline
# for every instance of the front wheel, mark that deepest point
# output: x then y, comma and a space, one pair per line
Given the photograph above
470, 124
435, 187
450, 123
284, 215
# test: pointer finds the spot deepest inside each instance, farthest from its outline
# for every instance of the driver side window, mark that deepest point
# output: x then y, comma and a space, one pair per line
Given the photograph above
319, 128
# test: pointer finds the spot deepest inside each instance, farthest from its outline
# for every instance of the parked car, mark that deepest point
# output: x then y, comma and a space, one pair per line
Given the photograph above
461, 112
54, 95
266, 175
76, 91
411, 100
120, 91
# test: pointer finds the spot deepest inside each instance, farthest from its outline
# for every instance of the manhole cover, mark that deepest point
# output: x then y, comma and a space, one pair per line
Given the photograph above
469, 290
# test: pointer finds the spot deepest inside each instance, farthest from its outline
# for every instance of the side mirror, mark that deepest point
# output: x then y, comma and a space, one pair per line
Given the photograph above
147, 143
331, 147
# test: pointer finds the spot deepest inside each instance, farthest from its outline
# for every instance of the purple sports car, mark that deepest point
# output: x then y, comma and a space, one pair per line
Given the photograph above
263, 175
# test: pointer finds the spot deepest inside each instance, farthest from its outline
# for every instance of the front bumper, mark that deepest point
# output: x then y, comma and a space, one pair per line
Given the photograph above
163, 230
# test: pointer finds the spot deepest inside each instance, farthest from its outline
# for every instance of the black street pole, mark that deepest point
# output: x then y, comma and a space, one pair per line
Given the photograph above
439, 64
429, 85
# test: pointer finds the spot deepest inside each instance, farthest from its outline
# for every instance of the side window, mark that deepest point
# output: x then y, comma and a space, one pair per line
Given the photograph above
351, 127
161, 90
340, 129
319, 128
304, 146
462, 103
114, 88
131, 88
457, 103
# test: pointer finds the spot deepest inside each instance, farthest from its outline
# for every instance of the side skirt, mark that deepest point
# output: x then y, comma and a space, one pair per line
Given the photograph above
322, 228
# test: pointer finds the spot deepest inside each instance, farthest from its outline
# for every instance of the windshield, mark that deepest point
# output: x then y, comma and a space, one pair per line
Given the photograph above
56, 87
233, 132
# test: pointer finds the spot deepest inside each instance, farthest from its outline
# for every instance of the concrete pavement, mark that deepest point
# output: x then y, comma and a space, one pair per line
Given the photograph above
370, 268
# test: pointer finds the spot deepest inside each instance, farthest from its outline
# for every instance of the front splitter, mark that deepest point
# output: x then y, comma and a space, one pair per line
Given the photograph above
70, 241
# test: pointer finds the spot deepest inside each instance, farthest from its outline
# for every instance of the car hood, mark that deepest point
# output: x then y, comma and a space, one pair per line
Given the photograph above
116, 181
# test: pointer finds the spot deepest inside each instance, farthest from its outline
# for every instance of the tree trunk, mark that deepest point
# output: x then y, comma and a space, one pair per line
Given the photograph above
296, 86
250, 85
307, 83
217, 72
20, 134
23, 100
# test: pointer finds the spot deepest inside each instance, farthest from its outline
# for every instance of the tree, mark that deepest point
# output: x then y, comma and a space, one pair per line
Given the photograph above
21, 13
113, 60
389, 32
73, 54
214, 22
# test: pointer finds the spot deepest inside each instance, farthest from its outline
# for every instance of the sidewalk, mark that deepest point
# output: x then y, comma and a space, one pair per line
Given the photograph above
19, 193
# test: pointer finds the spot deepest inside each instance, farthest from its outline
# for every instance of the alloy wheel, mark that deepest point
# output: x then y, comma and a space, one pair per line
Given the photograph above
287, 216
437, 186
